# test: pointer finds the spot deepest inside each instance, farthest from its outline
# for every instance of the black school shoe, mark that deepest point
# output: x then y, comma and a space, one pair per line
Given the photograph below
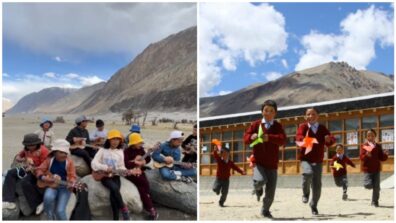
314, 211
304, 199
266, 214
375, 204
221, 204
345, 197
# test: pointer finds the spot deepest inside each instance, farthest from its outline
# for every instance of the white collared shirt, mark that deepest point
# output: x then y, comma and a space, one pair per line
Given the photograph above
267, 124
314, 127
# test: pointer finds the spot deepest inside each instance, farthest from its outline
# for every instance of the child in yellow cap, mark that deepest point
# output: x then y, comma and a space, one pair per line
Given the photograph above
135, 158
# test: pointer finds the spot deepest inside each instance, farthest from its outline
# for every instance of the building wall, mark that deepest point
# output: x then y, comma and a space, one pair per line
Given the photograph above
348, 127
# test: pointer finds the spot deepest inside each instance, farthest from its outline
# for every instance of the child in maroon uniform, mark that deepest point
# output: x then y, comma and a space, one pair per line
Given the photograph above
339, 164
312, 158
371, 154
133, 160
224, 165
265, 136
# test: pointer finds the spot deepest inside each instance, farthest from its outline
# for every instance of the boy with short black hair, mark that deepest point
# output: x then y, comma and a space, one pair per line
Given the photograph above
339, 165
266, 136
224, 165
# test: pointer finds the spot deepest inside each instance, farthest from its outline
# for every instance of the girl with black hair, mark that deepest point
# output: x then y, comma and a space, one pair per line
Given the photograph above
111, 158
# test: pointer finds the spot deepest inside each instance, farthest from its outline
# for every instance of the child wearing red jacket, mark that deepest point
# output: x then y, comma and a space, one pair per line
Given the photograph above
371, 155
265, 136
224, 165
315, 136
339, 164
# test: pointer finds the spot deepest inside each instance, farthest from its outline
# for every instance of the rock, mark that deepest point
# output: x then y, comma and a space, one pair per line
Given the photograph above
11, 214
99, 198
173, 194
82, 168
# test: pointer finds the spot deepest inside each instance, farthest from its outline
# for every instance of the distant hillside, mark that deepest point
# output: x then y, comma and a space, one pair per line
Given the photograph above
161, 78
45, 97
329, 81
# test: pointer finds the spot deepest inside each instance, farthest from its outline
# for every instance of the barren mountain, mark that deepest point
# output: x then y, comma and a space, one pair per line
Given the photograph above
162, 77
43, 98
71, 101
330, 81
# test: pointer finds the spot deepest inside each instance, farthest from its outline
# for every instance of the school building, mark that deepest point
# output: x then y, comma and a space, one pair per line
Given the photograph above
347, 119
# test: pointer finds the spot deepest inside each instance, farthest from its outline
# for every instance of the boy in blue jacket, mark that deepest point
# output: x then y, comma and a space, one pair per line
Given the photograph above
169, 154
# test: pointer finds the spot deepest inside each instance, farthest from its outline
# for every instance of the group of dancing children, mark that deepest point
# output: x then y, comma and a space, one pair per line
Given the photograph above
266, 135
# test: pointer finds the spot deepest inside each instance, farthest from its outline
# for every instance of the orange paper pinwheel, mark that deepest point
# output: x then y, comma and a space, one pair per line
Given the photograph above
217, 143
308, 143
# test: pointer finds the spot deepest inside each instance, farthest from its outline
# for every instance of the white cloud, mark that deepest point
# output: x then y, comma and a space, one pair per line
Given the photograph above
50, 74
6, 75
270, 76
285, 64
57, 58
72, 75
7, 104
65, 30
90, 80
29, 83
224, 92
360, 32
226, 39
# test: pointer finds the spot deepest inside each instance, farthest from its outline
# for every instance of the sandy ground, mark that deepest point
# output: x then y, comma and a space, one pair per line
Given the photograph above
16, 126
241, 205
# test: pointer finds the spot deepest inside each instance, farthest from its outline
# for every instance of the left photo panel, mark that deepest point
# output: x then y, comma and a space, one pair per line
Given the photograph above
99, 111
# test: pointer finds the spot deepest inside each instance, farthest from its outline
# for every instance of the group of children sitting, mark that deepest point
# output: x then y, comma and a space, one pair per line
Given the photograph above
266, 135
104, 152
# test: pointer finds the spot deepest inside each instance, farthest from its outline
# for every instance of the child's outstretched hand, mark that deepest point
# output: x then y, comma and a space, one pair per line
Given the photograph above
254, 136
243, 172
386, 151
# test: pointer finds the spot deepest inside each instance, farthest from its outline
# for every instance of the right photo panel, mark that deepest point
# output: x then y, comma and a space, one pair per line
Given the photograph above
296, 111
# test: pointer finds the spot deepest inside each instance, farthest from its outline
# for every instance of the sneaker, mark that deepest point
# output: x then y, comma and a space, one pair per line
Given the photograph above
153, 215
125, 216
375, 204
9, 205
186, 180
267, 214
305, 199
259, 193
344, 196
314, 211
40, 208
221, 204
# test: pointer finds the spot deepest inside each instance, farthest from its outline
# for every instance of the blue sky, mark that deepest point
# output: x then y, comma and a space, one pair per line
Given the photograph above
79, 44
292, 36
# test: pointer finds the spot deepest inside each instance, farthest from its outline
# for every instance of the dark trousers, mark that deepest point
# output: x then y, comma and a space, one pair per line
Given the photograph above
114, 185
372, 181
86, 154
143, 187
342, 181
312, 179
221, 186
268, 177
33, 194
